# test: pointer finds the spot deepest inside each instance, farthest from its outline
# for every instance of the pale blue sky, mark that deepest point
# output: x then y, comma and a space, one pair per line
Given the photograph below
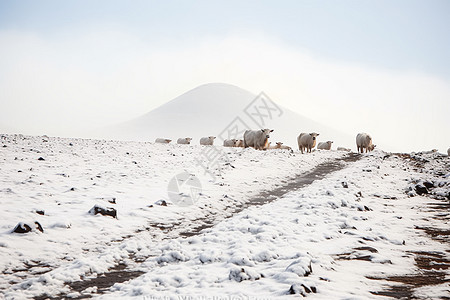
409, 34
358, 65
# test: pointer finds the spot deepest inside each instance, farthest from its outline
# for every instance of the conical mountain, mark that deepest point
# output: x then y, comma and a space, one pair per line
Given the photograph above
223, 110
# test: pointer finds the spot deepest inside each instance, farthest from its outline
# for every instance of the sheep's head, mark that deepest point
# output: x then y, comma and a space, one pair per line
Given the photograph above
314, 135
267, 132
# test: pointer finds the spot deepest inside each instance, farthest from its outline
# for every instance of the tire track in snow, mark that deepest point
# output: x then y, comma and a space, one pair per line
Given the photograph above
265, 197
122, 273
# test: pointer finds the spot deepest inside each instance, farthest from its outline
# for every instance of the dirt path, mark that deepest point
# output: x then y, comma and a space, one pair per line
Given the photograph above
432, 266
127, 271
285, 187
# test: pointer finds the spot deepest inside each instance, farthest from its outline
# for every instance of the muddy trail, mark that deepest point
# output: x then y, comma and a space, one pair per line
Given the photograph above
285, 187
124, 272
432, 267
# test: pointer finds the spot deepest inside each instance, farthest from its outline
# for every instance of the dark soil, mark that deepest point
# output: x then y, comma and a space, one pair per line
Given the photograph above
438, 234
103, 282
430, 273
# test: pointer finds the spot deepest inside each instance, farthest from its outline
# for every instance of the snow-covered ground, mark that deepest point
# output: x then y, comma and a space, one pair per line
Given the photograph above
324, 240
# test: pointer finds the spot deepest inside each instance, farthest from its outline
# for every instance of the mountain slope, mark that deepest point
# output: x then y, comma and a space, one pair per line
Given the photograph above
216, 109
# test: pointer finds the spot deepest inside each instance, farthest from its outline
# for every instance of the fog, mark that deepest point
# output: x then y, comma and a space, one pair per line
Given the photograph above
67, 86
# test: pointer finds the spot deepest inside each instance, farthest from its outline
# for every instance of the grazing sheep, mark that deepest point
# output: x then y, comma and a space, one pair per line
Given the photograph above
240, 143
325, 145
429, 152
364, 141
343, 149
258, 139
184, 141
279, 145
307, 141
229, 143
207, 141
162, 141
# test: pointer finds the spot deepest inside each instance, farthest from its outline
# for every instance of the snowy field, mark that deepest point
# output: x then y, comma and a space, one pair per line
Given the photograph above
331, 239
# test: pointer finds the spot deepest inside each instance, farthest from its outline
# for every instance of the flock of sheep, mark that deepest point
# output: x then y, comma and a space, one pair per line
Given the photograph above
259, 139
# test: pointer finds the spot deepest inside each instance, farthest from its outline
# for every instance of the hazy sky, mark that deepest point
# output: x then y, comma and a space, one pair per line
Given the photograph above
376, 66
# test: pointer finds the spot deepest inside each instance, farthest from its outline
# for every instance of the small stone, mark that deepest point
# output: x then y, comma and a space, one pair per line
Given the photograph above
428, 185
307, 289
297, 289
25, 228
38, 226
344, 184
161, 202
367, 248
241, 274
22, 228
421, 189
40, 212
108, 211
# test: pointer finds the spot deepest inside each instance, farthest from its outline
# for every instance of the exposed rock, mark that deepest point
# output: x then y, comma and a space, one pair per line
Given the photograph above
41, 158
241, 274
367, 248
421, 189
363, 208
108, 211
311, 289
161, 202
39, 227
300, 289
428, 185
296, 289
24, 228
